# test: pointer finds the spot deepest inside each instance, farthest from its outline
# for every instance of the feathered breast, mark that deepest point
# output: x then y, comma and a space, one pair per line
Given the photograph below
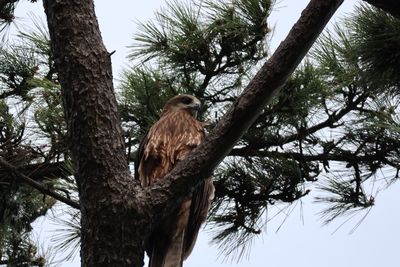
169, 140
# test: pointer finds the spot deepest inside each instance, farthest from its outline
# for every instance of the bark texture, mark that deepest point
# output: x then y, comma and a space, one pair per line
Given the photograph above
95, 139
117, 214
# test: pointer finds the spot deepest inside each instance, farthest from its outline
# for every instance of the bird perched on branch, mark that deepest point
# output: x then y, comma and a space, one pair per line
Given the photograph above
167, 142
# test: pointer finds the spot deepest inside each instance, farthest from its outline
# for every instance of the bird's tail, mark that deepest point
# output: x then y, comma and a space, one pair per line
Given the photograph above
168, 246
168, 256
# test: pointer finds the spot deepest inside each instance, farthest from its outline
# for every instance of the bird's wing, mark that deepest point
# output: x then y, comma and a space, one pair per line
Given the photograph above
168, 141
200, 204
139, 155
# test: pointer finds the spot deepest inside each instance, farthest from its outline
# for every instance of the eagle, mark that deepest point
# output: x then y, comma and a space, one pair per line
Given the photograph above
167, 142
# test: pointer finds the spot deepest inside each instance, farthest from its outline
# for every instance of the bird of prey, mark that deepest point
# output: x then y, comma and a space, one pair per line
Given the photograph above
167, 142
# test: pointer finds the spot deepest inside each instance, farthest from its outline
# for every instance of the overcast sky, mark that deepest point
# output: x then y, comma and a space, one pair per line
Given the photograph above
301, 240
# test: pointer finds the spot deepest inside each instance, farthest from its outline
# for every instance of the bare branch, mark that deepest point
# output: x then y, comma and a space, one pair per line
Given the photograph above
37, 185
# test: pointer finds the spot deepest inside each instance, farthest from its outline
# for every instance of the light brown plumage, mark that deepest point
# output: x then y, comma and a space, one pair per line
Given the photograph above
168, 141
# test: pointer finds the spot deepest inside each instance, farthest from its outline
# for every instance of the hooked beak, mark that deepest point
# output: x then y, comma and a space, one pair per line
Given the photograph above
195, 108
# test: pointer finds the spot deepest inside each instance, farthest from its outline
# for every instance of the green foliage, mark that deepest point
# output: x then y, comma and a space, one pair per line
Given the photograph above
377, 39
7, 8
243, 190
205, 36
67, 237
198, 45
32, 138
39, 40
20, 207
144, 92
19, 65
49, 117
6, 14
12, 131
343, 197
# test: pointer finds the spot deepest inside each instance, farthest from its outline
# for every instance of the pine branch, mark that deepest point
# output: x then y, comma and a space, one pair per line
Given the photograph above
40, 171
390, 6
6, 10
333, 118
39, 262
37, 185
339, 155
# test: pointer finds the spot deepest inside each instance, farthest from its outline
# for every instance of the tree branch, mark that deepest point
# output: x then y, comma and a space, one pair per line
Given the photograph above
244, 111
339, 155
37, 185
333, 118
38, 262
40, 171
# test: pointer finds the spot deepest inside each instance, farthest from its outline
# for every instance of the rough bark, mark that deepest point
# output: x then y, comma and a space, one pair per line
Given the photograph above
95, 140
117, 214
390, 6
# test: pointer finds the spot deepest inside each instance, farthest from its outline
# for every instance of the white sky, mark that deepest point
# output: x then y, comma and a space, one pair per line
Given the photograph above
297, 243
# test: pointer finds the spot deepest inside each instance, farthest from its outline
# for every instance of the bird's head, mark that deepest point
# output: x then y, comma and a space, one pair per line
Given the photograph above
188, 103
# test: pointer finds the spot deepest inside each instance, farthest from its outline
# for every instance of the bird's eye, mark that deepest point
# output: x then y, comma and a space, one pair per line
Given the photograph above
186, 100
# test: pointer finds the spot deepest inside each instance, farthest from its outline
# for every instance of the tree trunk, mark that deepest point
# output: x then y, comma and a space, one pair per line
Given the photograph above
117, 214
110, 235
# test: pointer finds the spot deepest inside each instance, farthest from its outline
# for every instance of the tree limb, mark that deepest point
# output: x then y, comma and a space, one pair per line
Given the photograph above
339, 155
37, 185
38, 262
333, 118
40, 171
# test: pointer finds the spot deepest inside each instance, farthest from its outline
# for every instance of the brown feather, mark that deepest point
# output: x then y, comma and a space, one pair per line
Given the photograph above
168, 141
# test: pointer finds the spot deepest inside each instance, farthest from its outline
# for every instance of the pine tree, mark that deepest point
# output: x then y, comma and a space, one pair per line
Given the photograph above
337, 111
